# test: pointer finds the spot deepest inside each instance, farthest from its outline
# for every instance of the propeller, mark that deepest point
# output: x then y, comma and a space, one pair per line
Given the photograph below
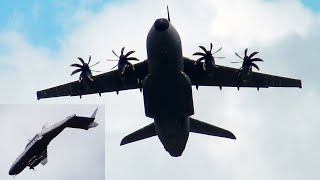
123, 60
248, 60
84, 69
207, 56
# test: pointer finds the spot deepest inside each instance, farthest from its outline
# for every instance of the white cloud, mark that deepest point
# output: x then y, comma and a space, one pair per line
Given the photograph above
267, 123
256, 22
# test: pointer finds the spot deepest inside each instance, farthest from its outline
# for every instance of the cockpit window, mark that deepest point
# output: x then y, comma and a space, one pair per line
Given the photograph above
35, 137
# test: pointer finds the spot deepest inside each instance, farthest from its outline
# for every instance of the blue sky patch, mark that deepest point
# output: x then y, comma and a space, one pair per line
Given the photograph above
39, 20
314, 5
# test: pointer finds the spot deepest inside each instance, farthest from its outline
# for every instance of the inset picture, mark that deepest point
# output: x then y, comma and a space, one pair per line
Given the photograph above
53, 142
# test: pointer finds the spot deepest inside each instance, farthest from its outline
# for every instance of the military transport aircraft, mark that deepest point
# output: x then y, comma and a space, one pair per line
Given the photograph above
36, 150
166, 78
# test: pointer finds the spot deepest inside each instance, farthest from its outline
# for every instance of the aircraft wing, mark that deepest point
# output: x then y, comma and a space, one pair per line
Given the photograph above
228, 77
106, 82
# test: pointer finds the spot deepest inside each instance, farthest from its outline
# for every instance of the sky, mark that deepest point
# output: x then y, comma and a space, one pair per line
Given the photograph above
73, 154
276, 128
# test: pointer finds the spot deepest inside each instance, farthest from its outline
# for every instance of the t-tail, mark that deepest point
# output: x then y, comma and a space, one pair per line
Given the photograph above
83, 122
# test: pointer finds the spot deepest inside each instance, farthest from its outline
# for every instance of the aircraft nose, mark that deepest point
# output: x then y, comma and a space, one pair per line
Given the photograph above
161, 24
11, 171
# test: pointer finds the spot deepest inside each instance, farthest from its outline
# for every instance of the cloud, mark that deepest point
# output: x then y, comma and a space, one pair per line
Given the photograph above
276, 128
256, 22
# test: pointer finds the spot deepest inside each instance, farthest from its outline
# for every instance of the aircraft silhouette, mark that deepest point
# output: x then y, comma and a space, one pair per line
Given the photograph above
166, 78
36, 150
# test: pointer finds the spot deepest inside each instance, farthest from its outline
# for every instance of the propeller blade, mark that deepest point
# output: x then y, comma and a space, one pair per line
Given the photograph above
246, 51
132, 59
200, 59
82, 61
253, 54
128, 63
76, 71
111, 60
115, 53
210, 47
220, 57
89, 59
122, 49
217, 50
89, 75
95, 64
239, 55
256, 59
204, 49
199, 54
95, 71
114, 66
129, 53
256, 66
76, 65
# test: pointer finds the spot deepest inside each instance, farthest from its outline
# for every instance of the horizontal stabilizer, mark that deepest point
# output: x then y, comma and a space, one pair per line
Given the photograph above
208, 129
93, 124
143, 133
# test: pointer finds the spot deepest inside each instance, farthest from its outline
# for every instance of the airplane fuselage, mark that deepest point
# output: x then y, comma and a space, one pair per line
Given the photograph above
35, 150
167, 89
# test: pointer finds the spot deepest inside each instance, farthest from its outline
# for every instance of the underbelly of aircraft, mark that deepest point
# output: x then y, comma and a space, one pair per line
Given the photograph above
168, 96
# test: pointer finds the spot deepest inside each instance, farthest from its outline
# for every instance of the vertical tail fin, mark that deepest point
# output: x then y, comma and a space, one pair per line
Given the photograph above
168, 13
94, 113
93, 124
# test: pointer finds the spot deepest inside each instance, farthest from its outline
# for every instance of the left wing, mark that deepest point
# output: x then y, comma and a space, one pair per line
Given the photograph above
106, 82
228, 77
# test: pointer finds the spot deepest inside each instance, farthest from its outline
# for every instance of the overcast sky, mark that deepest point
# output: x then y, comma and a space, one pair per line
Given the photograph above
276, 128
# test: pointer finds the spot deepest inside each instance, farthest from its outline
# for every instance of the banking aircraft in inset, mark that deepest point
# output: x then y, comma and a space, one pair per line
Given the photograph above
166, 78
36, 150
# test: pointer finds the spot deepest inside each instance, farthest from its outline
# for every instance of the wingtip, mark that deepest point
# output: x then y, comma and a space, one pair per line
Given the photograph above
300, 84
122, 142
38, 95
233, 137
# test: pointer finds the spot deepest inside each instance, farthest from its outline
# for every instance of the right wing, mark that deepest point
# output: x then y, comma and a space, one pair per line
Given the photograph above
106, 82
